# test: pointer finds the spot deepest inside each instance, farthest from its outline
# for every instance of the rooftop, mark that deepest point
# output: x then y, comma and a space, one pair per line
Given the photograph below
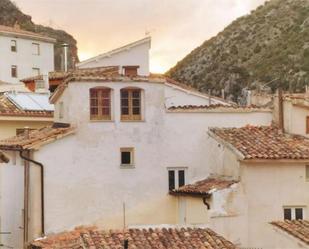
25, 105
216, 107
296, 228
18, 32
164, 238
204, 187
263, 142
36, 138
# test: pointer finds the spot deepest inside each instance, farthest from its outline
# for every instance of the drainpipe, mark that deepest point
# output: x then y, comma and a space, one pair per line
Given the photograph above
26, 201
28, 159
280, 110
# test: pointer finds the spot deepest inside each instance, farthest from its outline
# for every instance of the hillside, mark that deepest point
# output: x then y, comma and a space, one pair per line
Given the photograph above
271, 45
11, 14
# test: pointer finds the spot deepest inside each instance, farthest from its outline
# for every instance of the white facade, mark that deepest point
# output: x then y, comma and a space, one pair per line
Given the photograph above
32, 56
134, 54
84, 180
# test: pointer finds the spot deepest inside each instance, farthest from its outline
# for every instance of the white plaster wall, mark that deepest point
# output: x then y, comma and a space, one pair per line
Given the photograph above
295, 119
138, 55
176, 96
12, 201
24, 59
84, 183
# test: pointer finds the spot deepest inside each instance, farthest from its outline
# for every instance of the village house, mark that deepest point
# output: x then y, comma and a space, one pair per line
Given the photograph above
117, 146
26, 54
259, 176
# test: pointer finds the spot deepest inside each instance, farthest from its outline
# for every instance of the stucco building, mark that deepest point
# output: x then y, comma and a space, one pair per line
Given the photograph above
123, 144
26, 54
258, 175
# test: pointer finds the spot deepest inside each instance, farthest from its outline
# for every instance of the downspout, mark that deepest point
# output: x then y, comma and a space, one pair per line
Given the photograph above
28, 159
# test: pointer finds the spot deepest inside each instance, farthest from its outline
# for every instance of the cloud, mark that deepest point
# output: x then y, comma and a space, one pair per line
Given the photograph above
177, 26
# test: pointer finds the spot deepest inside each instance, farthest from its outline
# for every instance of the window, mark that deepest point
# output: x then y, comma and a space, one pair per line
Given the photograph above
130, 104
176, 178
35, 71
13, 46
130, 71
39, 84
35, 49
127, 156
307, 172
100, 104
307, 125
14, 71
293, 213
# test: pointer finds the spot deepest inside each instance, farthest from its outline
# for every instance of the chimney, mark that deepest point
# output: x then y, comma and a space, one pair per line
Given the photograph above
65, 60
280, 110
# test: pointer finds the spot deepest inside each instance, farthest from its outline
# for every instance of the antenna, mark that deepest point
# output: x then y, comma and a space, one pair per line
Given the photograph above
125, 241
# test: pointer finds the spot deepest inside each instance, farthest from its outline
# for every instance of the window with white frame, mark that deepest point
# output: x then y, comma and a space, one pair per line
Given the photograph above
35, 71
176, 177
35, 48
13, 45
293, 213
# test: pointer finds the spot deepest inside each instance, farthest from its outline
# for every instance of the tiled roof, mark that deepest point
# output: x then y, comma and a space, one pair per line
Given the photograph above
297, 228
16, 31
101, 74
7, 108
215, 107
204, 187
263, 142
92, 238
36, 138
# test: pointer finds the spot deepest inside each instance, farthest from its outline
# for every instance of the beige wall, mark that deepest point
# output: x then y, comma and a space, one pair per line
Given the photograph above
8, 128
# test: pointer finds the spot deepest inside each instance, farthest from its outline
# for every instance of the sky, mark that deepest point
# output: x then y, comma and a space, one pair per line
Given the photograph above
176, 26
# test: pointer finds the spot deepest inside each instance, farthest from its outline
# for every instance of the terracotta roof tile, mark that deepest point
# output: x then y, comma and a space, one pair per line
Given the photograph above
23, 33
264, 142
297, 228
7, 108
36, 138
204, 187
198, 108
163, 238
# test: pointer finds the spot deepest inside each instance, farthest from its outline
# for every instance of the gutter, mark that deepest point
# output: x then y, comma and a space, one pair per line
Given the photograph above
42, 187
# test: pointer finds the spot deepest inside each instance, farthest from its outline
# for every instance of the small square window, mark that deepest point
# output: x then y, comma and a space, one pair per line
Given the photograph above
293, 213
14, 71
13, 46
127, 156
35, 71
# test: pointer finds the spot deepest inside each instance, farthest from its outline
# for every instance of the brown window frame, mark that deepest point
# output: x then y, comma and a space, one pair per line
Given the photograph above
130, 71
307, 125
100, 98
130, 116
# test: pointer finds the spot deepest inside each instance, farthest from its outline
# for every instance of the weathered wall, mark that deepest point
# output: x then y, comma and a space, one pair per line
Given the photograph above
24, 59
8, 128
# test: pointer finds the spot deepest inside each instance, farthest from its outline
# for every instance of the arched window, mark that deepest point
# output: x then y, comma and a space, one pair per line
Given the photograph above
100, 104
131, 104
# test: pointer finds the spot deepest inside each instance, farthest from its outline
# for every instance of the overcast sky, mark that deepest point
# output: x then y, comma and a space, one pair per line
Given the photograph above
176, 26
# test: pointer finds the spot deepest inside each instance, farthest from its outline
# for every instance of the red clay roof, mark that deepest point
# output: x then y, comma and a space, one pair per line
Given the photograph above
36, 138
7, 108
16, 31
297, 228
263, 142
92, 238
204, 187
